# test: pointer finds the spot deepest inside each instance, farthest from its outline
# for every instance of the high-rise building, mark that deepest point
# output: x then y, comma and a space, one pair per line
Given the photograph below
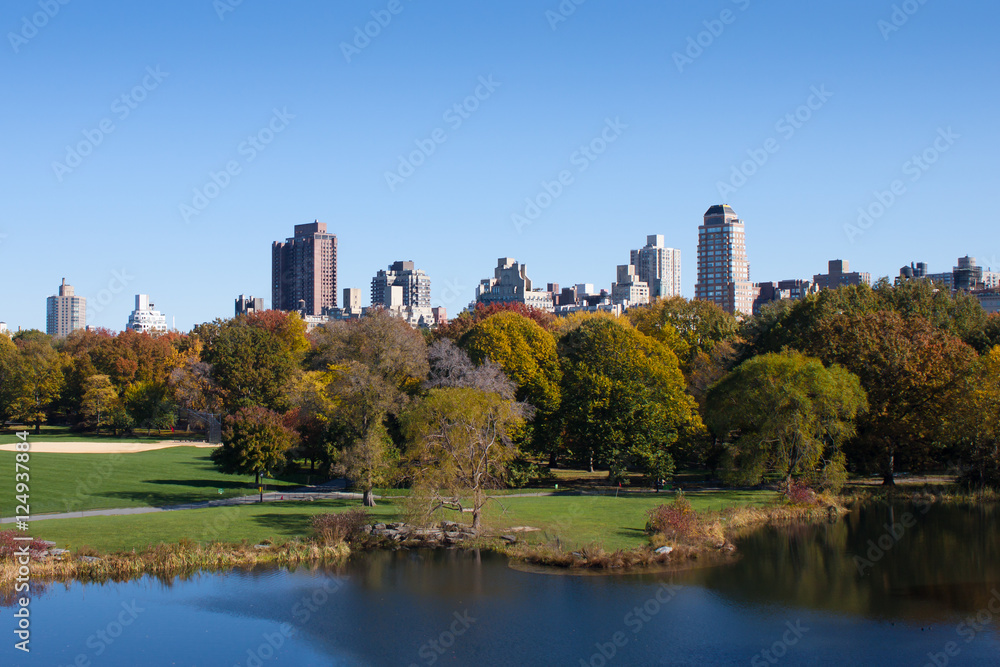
247, 305
785, 290
840, 275
304, 271
659, 267
416, 285
628, 290
145, 318
966, 277
510, 284
65, 312
723, 269
352, 301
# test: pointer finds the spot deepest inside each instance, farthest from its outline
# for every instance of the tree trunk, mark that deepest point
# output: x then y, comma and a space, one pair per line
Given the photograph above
888, 474
369, 498
260, 488
592, 460
552, 459
477, 511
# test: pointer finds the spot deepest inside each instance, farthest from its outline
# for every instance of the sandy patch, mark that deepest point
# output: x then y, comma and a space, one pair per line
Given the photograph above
103, 447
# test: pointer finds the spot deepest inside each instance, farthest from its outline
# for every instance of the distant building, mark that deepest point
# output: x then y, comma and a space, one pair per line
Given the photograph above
840, 275
352, 301
723, 268
511, 284
65, 312
4, 330
629, 290
966, 277
790, 290
248, 305
989, 299
304, 271
415, 285
145, 318
659, 267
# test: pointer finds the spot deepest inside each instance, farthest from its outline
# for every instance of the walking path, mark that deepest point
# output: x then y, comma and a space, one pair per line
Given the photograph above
329, 491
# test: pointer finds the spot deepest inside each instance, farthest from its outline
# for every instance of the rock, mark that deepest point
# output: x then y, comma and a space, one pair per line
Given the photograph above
47, 543
261, 547
664, 550
509, 539
379, 526
58, 552
89, 559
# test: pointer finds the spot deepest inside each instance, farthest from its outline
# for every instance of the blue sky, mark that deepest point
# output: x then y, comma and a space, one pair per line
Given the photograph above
343, 121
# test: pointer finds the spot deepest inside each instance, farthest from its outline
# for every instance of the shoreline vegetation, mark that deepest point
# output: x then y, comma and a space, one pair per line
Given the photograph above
678, 538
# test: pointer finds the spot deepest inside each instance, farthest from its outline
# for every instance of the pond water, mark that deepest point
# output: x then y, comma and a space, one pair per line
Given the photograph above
883, 586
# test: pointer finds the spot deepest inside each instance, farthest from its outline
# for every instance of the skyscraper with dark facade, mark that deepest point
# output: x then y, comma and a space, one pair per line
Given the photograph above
304, 271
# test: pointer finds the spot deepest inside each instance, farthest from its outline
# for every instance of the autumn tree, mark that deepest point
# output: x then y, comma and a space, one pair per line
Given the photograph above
40, 377
450, 366
624, 402
527, 354
781, 413
10, 378
689, 328
100, 401
374, 365
254, 442
912, 373
461, 444
976, 421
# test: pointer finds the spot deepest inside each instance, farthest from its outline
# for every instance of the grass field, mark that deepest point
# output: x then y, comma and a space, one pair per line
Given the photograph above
574, 520
277, 521
74, 482
62, 434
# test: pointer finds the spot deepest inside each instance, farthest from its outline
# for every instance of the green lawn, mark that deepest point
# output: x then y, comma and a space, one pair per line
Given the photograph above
276, 521
577, 521
62, 434
74, 482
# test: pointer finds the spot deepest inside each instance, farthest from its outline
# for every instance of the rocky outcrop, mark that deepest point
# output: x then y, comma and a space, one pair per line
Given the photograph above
447, 533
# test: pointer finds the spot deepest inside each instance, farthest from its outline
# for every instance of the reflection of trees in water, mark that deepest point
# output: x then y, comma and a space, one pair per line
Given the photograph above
428, 572
947, 561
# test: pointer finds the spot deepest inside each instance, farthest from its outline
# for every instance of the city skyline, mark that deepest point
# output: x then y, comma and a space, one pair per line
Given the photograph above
175, 166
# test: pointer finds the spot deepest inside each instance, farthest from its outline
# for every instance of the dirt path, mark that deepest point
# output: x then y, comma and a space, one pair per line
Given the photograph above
103, 447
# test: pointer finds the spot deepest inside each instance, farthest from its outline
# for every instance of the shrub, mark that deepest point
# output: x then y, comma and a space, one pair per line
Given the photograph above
799, 493
675, 521
340, 527
520, 473
9, 547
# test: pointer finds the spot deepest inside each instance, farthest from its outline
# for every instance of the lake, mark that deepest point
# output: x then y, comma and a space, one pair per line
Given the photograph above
903, 585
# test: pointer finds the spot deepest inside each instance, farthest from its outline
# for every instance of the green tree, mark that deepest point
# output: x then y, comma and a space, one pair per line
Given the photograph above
149, 405
11, 379
780, 413
255, 441
100, 400
624, 400
250, 365
461, 444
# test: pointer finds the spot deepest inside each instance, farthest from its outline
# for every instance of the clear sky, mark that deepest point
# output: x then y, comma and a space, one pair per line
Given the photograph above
183, 86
